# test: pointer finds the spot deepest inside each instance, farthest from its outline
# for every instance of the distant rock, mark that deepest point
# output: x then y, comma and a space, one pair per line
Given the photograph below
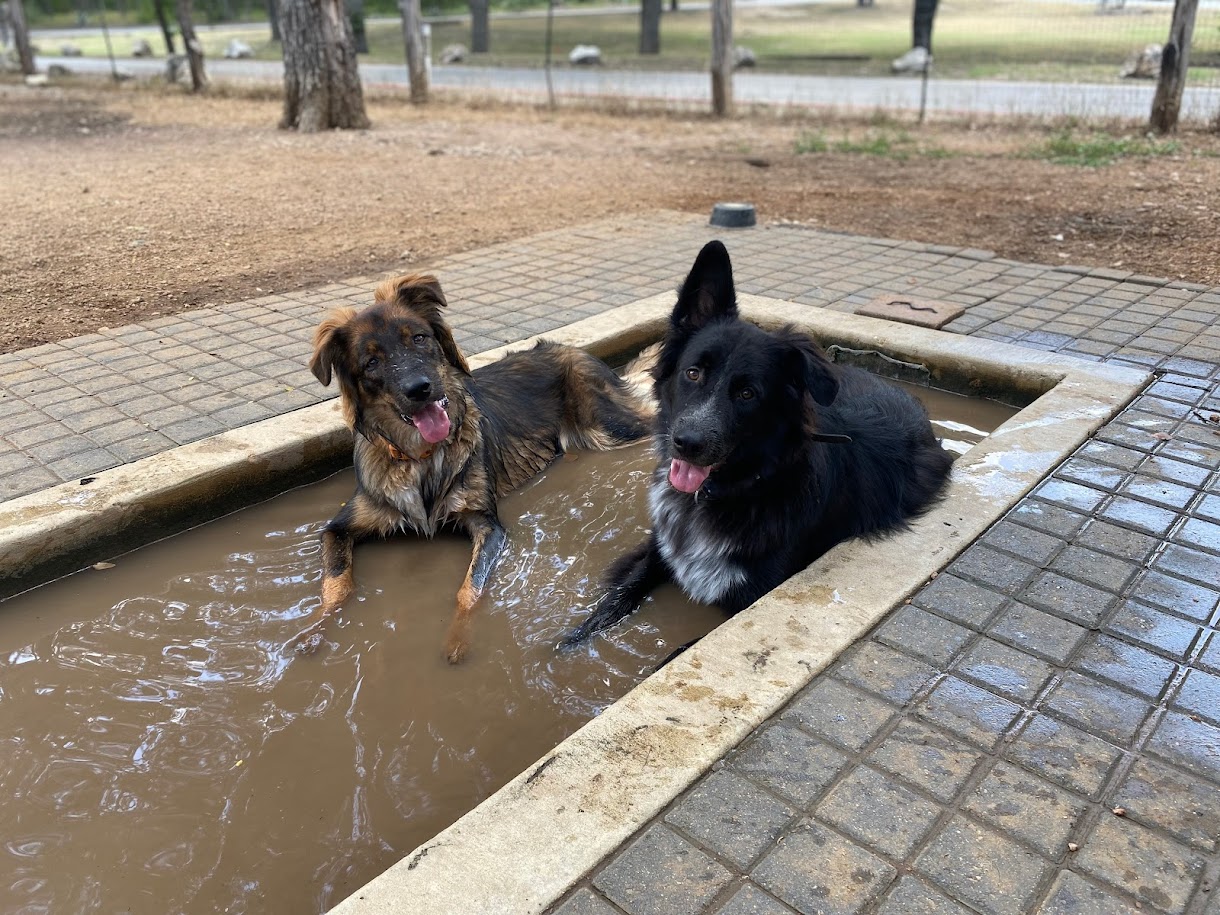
743, 57
585, 55
454, 54
36, 79
1145, 64
58, 70
178, 70
238, 50
141, 48
68, 49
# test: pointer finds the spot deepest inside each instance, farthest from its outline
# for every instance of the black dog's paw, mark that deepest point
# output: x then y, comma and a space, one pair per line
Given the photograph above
607, 612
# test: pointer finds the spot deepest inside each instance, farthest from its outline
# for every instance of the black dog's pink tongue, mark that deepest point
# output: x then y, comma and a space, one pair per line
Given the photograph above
432, 422
687, 477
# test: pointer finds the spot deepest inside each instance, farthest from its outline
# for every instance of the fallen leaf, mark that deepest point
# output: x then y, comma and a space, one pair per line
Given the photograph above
103, 566
1162, 436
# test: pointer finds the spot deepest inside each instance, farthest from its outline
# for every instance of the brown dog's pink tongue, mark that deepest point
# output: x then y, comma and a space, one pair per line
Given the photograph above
686, 477
432, 422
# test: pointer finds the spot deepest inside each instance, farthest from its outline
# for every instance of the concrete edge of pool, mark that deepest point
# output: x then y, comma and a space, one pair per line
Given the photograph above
522, 848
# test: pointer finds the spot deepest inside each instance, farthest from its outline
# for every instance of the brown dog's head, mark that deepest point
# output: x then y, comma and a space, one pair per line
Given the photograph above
395, 362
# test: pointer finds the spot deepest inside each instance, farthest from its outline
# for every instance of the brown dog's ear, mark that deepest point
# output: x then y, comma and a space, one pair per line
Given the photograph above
328, 343
421, 292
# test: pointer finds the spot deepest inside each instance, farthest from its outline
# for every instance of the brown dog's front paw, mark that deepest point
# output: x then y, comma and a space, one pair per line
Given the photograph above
457, 643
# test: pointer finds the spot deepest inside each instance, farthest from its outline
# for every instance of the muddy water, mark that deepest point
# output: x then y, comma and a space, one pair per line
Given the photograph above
160, 752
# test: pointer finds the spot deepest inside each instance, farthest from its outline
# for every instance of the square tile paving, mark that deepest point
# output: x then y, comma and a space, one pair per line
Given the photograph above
969, 754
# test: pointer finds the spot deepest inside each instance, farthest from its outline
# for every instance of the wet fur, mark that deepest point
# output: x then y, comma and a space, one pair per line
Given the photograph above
777, 499
508, 421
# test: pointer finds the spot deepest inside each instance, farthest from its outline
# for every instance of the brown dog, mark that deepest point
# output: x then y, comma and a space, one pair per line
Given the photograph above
436, 444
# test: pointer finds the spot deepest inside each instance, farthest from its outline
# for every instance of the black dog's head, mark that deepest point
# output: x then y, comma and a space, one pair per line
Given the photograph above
393, 360
732, 397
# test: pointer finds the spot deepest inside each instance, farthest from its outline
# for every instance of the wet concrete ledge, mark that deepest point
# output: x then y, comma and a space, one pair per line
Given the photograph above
521, 849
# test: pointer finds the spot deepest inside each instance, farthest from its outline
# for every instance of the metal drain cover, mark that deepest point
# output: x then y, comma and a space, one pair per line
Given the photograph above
911, 310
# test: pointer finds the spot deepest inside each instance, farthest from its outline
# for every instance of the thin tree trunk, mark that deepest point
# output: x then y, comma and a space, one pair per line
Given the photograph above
1175, 57
273, 17
480, 26
413, 37
166, 32
722, 57
21, 37
321, 81
650, 26
194, 50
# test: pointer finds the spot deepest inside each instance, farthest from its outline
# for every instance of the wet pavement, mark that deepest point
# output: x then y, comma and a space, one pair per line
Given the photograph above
1037, 730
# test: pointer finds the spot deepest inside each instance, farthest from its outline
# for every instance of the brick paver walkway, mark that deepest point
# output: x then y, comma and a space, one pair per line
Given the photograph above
974, 752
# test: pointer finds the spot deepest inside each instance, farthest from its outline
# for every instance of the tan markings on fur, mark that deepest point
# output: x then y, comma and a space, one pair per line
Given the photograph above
335, 590
393, 288
638, 376
457, 640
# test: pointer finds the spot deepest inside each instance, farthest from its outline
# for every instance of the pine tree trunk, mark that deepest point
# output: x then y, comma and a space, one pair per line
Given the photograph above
166, 32
273, 17
321, 82
413, 37
21, 37
650, 27
480, 26
194, 50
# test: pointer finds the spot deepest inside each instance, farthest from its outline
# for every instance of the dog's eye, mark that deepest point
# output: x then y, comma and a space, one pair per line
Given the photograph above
419, 339
746, 394
371, 363
694, 373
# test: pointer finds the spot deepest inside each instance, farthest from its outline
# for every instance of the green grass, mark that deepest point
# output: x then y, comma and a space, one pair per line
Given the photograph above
985, 39
886, 143
1096, 150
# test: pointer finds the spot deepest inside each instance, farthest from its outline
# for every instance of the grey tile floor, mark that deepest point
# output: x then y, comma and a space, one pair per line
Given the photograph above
1038, 730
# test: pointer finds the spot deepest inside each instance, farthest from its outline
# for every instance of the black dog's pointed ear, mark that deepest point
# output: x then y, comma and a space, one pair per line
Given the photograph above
708, 291
808, 368
329, 341
422, 293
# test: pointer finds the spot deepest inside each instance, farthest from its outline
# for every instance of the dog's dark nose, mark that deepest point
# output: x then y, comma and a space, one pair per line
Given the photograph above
688, 442
419, 389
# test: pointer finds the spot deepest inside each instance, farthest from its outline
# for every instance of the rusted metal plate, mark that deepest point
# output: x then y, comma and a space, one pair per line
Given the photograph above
911, 310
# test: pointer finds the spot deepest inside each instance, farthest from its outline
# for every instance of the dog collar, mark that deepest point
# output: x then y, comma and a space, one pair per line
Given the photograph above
398, 455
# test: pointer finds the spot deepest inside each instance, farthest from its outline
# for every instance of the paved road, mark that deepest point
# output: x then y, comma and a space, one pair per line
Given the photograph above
1133, 100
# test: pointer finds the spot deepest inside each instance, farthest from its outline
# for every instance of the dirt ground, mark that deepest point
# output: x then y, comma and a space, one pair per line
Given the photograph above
124, 203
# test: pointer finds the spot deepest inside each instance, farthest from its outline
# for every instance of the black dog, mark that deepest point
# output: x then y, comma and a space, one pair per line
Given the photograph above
769, 456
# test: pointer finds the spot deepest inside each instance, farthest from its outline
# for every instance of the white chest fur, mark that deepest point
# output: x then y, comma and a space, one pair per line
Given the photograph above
697, 557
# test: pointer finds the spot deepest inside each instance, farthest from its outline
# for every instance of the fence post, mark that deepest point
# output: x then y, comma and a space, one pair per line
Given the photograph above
722, 57
1174, 59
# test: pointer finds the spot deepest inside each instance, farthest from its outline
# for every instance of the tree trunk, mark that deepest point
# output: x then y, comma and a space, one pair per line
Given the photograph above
166, 32
194, 50
321, 81
21, 37
1175, 57
413, 37
650, 26
722, 57
273, 17
480, 26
